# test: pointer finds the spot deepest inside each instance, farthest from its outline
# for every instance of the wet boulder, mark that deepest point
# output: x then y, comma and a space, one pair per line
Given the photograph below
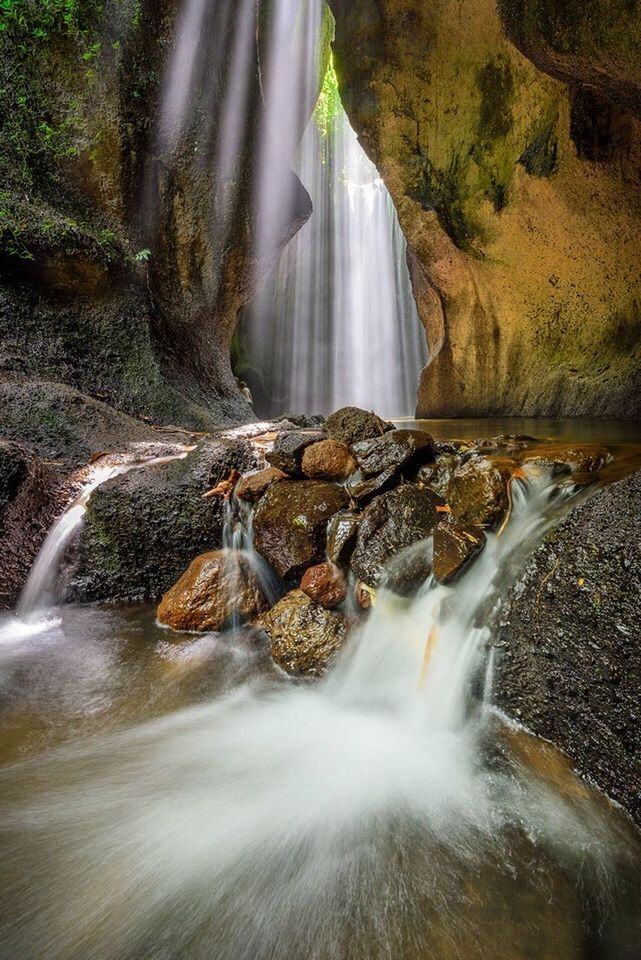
252, 486
362, 491
393, 522
304, 636
342, 531
455, 545
396, 448
351, 424
570, 458
328, 460
437, 475
289, 447
290, 523
477, 493
215, 588
142, 529
325, 584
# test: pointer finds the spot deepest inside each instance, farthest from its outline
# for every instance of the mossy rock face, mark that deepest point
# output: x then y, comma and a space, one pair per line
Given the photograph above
143, 529
132, 257
520, 197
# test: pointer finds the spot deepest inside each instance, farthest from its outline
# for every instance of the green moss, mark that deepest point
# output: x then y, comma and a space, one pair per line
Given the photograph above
328, 105
540, 156
496, 86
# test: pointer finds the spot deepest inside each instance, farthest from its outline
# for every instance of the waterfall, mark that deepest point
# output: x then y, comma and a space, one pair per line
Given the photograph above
337, 323
362, 816
36, 607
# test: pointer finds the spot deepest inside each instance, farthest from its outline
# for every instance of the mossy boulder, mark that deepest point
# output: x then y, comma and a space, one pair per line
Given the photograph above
143, 529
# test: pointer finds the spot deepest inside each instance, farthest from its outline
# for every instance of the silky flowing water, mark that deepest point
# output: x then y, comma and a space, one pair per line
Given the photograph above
168, 797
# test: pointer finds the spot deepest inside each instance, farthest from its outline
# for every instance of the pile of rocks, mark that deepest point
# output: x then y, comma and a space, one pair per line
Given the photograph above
357, 504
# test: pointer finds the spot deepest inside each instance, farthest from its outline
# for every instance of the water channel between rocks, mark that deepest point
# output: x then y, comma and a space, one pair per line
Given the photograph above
170, 796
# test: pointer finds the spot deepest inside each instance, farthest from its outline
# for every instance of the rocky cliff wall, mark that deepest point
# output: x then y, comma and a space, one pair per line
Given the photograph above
510, 142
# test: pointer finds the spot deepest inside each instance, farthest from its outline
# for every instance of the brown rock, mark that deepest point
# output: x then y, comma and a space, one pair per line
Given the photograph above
303, 635
455, 544
289, 447
325, 584
328, 460
341, 536
362, 491
252, 486
290, 523
351, 424
477, 493
437, 475
396, 448
560, 457
215, 586
396, 520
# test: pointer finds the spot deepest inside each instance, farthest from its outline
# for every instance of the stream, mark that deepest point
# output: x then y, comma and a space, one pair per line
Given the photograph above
166, 796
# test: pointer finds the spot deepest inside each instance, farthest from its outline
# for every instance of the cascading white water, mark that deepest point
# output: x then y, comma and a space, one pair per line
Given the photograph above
39, 593
351, 819
36, 606
337, 323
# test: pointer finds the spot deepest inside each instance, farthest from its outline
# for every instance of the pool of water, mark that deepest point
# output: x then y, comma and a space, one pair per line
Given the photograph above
176, 797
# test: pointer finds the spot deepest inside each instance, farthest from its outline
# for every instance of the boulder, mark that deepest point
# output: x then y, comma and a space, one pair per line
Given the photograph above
216, 587
477, 493
325, 584
455, 544
396, 448
437, 475
142, 529
289, 447
252, 486
328, 460
342, 530
351, 424
562, 457
570, 657
362, 491
290, 523
394, 521
303, 635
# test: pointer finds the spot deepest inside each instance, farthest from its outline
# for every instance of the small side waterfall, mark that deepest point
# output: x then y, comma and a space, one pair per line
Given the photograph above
39, 593
337, 323
35, 610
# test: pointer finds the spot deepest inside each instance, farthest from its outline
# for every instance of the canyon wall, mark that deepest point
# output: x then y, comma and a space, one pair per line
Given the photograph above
510, 141
126, 246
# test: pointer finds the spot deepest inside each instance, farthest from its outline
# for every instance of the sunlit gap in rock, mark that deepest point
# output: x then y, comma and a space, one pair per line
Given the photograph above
337, 323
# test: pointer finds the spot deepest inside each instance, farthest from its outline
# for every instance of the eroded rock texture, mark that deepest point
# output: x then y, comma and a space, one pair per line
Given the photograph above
516, 179
127, 239
570, 664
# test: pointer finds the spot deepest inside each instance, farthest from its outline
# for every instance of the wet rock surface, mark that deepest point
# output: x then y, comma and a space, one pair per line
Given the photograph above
32, 494
455, 544
325, 584
570, 658
362, 491
351, 424
342, 531
304, 636
62, 424
290, 524
216, 588
396, 448
392, 522
252, 486
477, 493
289, 447
328, 460
143, 529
